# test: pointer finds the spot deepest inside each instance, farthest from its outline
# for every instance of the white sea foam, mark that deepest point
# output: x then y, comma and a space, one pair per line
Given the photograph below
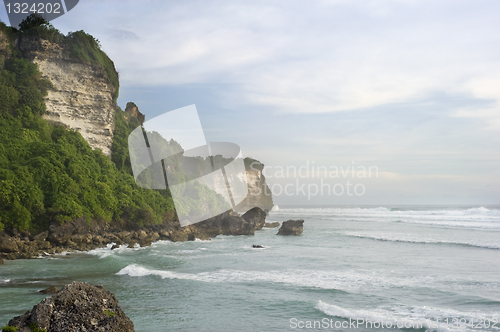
199, 240
479, 211
106, 251
329, 211
483, 211
4, 281
348, 281
409, 239
431, 318
192, 251
479, 217
134, 270
454, 223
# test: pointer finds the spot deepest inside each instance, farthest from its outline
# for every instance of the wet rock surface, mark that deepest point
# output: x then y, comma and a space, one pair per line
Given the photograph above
256, 216
291, 227
79, 235
50, 290
77, 307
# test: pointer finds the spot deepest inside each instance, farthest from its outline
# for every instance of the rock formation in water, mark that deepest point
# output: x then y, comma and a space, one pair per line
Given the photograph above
256, 216
291, 227
272, 224
231, 223
77, 307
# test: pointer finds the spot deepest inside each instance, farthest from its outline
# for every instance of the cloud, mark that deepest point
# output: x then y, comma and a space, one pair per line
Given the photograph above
302, 57
401, 84
299, 57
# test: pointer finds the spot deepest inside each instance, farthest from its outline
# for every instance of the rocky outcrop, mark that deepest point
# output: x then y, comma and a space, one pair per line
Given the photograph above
133, 111
77, 307
272, 224
82, 97
291, 227
255, 216
259, 194
7, 243
228, 223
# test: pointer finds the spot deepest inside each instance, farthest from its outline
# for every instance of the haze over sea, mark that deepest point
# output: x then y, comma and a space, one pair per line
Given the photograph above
430, 266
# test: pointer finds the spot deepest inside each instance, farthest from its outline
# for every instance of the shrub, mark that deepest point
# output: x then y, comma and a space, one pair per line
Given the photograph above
32, 21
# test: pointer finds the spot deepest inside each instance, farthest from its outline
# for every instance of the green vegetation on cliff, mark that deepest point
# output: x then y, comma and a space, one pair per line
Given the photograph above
82, 47
49, 173
86, 49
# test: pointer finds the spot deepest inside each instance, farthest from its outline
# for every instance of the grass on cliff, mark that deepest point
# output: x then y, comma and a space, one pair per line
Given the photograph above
49, 173
86, 49
82, 47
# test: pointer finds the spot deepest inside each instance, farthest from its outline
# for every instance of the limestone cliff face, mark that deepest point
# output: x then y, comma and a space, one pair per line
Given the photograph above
82, 94
259, 194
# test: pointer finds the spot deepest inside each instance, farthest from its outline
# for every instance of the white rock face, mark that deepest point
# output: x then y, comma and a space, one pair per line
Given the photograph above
82, 98
259, 194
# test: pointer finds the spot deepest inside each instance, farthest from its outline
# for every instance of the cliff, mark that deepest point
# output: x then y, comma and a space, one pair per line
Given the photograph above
259, 194
57, 193
82, 96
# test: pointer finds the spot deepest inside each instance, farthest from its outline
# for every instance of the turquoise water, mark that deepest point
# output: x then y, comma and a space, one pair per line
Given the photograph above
429, 268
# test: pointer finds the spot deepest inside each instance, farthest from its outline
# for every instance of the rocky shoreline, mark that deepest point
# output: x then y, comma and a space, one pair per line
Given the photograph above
79, 235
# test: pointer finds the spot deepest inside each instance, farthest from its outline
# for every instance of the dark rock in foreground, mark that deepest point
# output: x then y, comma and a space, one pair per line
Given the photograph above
272, 224
291, 227
257, 246
77, 307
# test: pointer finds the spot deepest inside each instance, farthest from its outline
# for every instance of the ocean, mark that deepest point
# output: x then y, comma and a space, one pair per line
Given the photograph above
413, 268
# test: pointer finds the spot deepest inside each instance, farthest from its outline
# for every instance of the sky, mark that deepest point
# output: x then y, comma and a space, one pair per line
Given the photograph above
407, 89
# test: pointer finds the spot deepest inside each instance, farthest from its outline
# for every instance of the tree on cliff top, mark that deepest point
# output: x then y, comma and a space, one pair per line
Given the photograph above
32, 21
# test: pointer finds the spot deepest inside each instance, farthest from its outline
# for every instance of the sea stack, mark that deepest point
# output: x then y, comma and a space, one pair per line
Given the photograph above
291, 227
